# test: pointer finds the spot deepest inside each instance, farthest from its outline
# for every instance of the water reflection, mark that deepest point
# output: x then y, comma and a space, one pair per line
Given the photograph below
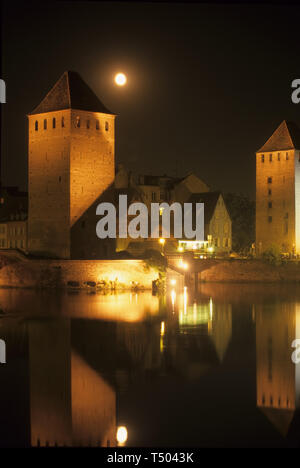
278, 378
216, 364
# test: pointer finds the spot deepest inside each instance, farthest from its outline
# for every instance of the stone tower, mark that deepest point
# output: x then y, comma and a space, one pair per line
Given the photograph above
278, 191
71, 163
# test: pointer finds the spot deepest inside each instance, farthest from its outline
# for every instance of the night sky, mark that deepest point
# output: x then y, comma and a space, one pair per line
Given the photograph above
207, 84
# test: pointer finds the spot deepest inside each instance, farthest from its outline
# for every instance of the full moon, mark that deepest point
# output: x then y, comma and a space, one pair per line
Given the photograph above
120, 79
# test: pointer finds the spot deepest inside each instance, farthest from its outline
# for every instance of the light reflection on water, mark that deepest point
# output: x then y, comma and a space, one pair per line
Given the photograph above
206, 369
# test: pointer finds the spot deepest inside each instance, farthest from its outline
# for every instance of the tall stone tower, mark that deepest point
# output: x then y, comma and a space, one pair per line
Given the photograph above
278, 190
71, 163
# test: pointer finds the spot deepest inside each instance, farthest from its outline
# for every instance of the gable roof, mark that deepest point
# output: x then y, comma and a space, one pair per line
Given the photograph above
70, 92
285, 137
210, 199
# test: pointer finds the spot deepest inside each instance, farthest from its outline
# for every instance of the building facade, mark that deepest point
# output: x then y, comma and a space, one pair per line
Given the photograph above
278, 191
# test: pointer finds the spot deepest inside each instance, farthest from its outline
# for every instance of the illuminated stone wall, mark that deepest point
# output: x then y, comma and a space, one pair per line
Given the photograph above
282, 197
49, 184
70, 166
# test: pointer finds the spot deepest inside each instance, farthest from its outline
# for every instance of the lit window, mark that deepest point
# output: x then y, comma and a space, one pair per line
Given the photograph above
45, 124
36, 126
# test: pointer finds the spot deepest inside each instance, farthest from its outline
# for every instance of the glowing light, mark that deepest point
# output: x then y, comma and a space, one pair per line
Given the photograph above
162, 240
120, 79
122, 435
210, 249
180, 249
210, 308
162, 328
173, 298
185, 298
173, 282
182, 264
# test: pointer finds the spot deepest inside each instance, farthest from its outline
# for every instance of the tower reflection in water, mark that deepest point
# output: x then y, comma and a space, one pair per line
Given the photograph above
278, 378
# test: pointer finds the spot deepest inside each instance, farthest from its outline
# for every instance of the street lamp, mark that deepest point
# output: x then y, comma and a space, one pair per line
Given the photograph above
162, 243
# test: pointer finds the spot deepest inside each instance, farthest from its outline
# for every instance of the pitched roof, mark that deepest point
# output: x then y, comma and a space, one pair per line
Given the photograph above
210, 199
286, 136
70, 92
280, 418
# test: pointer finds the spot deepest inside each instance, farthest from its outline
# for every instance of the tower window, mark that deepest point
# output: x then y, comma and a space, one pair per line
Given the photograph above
87, 124
269, 219
54, 122
270, 157
269, 180
263, 158
77, 122
278, 156
45, 124
36, 126
106, 126
97, 125
62, 121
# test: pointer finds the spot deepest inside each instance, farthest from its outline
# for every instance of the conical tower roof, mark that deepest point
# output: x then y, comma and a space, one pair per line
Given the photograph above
70, 92
285, 137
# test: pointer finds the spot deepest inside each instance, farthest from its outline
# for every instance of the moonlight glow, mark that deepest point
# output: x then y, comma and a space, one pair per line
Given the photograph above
120, 79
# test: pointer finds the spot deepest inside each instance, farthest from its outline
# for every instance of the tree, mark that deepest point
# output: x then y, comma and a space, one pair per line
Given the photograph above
242, 213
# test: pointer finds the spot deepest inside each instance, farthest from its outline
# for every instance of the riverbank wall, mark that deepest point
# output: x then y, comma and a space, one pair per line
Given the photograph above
19, 271
249, 271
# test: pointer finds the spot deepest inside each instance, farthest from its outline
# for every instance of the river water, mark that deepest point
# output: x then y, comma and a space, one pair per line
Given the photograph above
212, 369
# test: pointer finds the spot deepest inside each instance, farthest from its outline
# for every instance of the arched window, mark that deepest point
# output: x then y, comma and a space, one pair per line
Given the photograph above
45, 124
62, 121
97, 125
54, 122
36, 126
106, 126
